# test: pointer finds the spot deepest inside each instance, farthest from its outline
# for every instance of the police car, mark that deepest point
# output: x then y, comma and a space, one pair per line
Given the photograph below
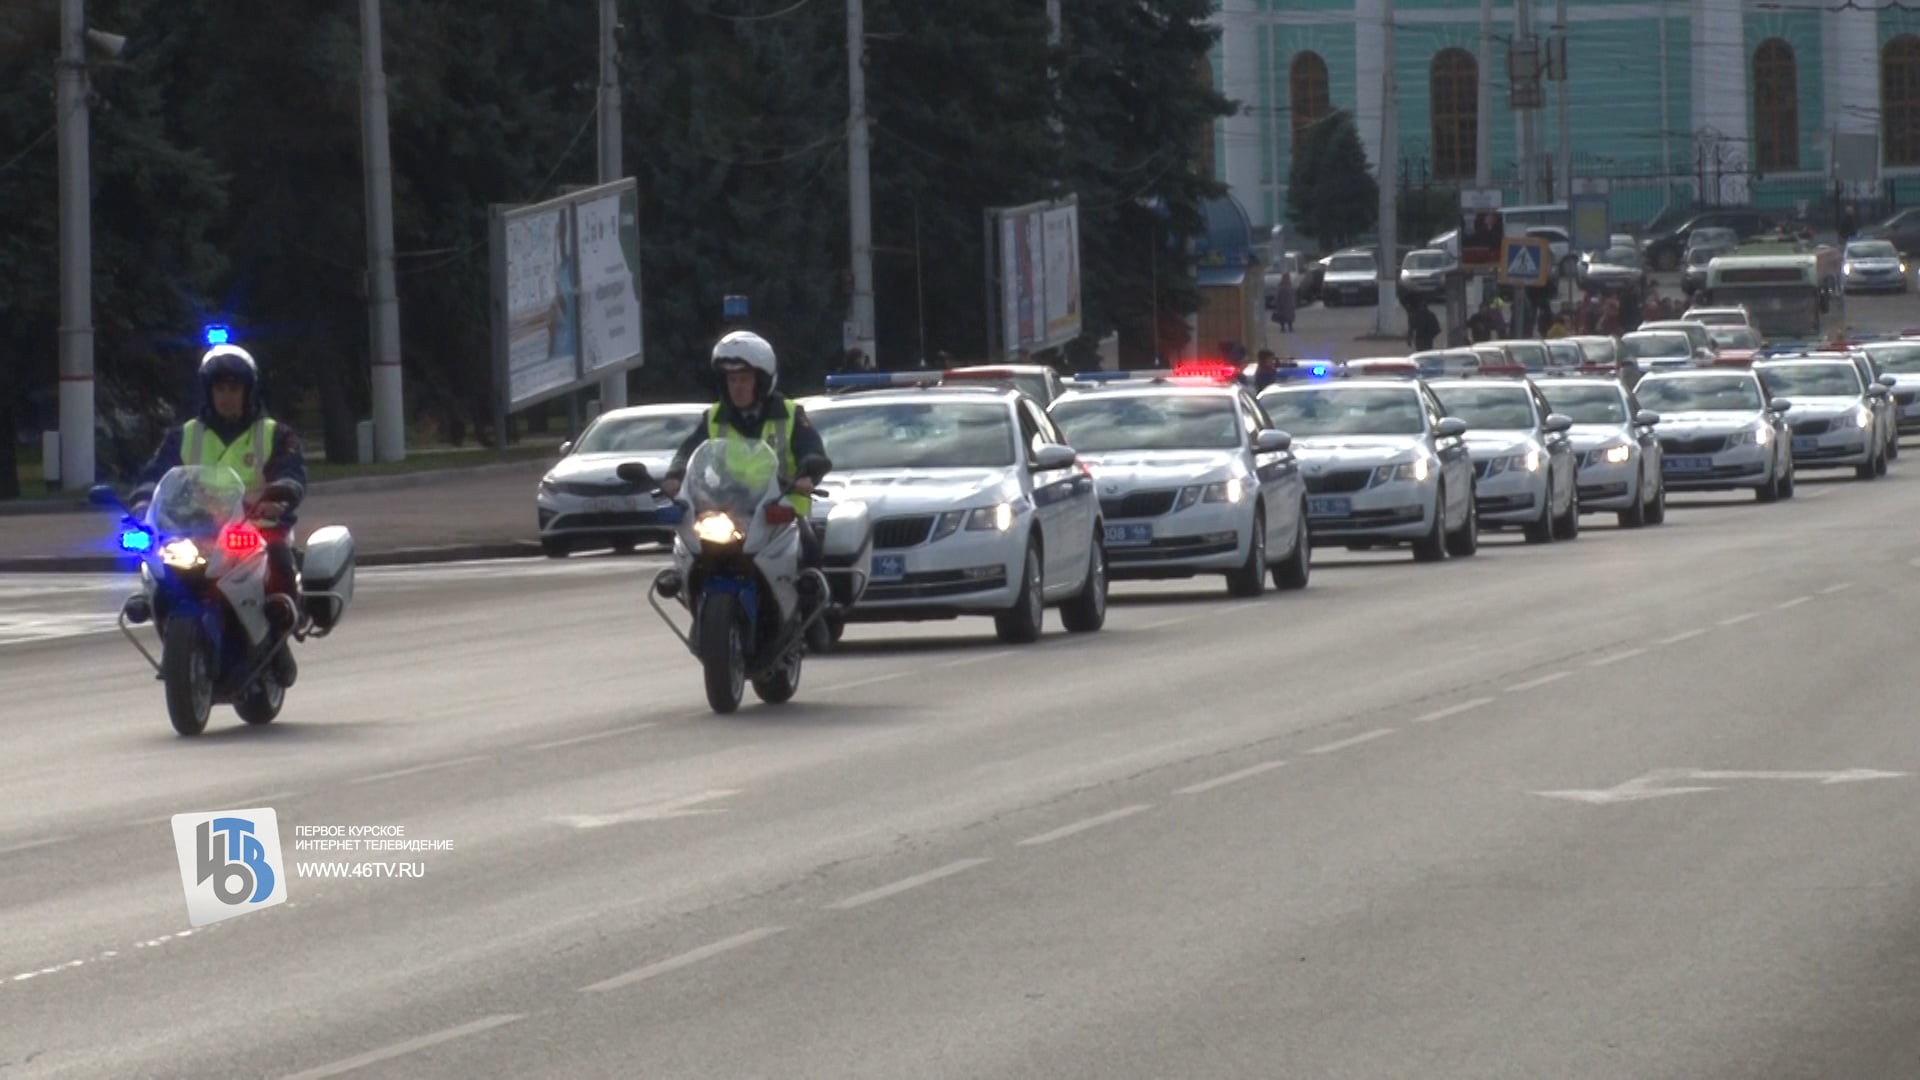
1619, 456
1383, 465
1192, 478
1837, 418
582, 502
1718, 431
979, 506
1524, 465
1038, 381
1899, 362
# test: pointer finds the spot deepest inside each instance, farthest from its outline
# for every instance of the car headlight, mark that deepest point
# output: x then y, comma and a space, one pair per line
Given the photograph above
182, 555
1861, 417
1231, 490
548, 487
1617, 454
998, 517
1753, 436
1415, 471
717, 528
1527, 460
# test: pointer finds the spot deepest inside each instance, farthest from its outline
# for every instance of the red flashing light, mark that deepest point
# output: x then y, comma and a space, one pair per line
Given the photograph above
241, 539
779, 513
1218, 371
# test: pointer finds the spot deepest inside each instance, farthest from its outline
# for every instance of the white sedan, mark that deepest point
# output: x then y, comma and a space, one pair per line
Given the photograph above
582, 503
1618, 454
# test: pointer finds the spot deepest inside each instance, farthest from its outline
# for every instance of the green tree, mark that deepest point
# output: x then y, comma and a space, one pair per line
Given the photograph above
1332, 195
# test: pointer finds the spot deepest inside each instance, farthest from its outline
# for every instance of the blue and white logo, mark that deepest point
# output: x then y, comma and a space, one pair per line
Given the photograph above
230, 863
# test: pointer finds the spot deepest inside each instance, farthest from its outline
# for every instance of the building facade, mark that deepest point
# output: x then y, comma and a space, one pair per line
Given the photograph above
1670, 101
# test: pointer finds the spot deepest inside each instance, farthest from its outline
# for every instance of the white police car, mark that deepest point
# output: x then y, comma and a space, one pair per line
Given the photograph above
1618, 453
1382, 464
1837, 419
1899, 361
582, 503
979, 507
1192, 479
1718, 431
1523, 462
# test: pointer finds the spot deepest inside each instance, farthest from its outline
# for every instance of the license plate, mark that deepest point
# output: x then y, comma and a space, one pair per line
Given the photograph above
889, 567
1329, 507
612, 505
1804, 443
1123, 535
1688, 464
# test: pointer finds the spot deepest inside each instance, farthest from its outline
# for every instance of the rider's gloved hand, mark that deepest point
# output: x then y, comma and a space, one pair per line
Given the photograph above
803, 486
670, 487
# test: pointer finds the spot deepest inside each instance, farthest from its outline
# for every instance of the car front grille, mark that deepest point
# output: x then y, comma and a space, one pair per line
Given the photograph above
1813, 427
902, 532
1701, 444
1339, 480
1139, 504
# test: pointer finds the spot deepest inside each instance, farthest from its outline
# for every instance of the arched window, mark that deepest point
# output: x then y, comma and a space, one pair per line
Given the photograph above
1900, 100
1454, 94
1776, 107
1307, 100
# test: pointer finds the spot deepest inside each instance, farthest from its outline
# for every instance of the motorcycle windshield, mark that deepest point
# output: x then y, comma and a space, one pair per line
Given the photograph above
197, 501
731, 477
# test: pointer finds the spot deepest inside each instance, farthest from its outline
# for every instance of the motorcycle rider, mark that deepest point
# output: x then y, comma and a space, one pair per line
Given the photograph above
233, 429
750, 409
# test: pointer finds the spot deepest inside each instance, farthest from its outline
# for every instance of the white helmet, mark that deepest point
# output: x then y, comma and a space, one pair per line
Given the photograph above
750, 350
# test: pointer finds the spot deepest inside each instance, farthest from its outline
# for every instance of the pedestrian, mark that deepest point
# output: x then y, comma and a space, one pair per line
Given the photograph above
1266, 371
1285, 302
1423, 327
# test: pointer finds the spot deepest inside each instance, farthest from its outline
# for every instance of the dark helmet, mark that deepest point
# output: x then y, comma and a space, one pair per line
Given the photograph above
228, 362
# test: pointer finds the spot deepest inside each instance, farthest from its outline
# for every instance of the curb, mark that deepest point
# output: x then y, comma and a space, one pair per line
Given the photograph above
120, 564
348, 486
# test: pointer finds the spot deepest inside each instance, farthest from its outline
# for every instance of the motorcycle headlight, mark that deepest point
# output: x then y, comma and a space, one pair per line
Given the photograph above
1415, 471
998, 517
717, 529
182, 555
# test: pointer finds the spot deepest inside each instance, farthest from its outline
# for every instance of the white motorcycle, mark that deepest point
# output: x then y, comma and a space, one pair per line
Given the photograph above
736, 570
203, 578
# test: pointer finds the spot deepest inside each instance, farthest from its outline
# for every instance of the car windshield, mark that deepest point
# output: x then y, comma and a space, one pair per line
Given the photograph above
1347, 264
1903, 359
1599, 350
1426, 260
1702, 256
638, 434
1588, 404
1489, 408
1034, 386
1734, 337
1710, 236
1637, 346
1872, 249
1564, 353
1811, 380
1149, 422
1714, 393
1322, 410
1527, 355
1711, 319
917, 435
1619, 256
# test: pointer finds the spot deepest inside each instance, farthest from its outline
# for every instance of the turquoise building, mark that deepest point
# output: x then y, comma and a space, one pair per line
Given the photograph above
1670, 101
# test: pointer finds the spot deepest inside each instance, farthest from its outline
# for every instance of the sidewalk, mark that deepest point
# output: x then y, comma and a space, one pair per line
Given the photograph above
483, 512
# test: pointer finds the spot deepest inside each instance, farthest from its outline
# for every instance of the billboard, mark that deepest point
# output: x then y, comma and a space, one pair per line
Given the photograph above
1033, 276
566, 293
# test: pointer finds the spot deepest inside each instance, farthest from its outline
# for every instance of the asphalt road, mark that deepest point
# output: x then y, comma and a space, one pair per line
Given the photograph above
1297, 836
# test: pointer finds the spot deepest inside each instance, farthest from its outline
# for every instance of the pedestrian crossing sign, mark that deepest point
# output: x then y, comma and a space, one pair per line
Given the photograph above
1524, 260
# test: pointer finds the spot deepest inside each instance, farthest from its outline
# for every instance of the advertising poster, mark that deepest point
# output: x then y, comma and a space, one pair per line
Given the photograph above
1061, 229
542, 316
609, 282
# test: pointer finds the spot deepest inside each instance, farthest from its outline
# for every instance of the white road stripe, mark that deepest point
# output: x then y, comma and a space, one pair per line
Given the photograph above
1453, 710
1083, 825
1607, 661
429, 767
1735, 620
1831, 589
402, 1049
903, 885
685, 959
1355, 741
1795, 602
1232, 777
965, 660
31, 844
1533, 684
1163, 623
1677, 638
578, 739
857, 683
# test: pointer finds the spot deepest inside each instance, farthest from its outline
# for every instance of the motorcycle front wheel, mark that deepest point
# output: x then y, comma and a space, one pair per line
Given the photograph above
186, 668
723, 653
779, 686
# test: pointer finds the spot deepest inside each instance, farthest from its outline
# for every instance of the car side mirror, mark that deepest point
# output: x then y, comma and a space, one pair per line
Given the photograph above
566, 448
634, 472
1878, 390
1887, 381
1646, 418
1451, 428
103, 495
1779, 405
1272, 440
1559, 423
1054, 456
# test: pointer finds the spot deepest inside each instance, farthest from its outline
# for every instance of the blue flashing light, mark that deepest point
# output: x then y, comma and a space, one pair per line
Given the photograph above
136, 540
218, 335
1110, 376
858, 379
1319, 371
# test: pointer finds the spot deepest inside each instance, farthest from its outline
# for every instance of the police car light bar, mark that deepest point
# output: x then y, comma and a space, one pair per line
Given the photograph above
878, 380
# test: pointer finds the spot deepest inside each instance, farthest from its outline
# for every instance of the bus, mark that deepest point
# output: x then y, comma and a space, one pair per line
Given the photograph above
1790, 294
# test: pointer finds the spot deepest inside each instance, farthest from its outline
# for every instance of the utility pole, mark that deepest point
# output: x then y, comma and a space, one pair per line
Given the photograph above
76, 252
383, 314
1564, 166
1483, 127
1388, 304
1529, 116
859, 192
1666, 119
613, 389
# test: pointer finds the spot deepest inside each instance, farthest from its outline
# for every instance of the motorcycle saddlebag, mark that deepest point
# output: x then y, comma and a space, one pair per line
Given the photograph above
326, 575
845, 533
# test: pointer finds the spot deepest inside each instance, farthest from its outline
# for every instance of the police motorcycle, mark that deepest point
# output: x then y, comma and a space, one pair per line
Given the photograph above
736, 570
203, 585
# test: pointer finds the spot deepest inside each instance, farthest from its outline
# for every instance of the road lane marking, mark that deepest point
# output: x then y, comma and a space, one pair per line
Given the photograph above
578, 739
401, 1049
31, 844
1453, 710
417, 769
685, 959
1232, 777
1831, 589
857, 683
1795, 602
1735, 620
965, 660
1163, 623
904, 884
1608, 661
1532, 684
1355, 741
1678, 638
1087, 823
